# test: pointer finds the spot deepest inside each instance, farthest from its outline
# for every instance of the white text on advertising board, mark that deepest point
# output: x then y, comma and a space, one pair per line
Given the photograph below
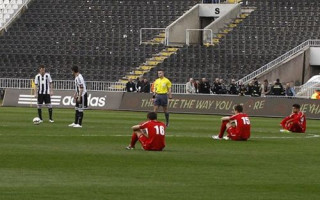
92, 101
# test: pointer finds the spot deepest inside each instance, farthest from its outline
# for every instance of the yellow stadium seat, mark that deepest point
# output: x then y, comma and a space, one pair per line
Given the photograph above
172, 49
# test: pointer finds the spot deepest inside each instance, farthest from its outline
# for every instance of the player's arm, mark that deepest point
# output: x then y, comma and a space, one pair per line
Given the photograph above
80, 92
225, 118
286, 120
169, 93
51, 88
35, 90
50, 85
135, 127
169, 90
154, 89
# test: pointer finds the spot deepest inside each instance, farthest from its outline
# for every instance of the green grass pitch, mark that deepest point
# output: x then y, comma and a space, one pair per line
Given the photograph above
54, 161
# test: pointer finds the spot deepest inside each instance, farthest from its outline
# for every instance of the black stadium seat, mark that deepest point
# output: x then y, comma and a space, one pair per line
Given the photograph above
61, 33
275, 27
102, 37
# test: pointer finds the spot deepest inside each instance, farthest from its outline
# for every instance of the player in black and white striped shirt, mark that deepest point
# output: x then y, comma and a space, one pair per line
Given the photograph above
43, 91
80, 96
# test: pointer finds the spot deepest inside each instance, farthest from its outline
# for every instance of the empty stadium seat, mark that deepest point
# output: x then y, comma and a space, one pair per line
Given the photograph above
101, 37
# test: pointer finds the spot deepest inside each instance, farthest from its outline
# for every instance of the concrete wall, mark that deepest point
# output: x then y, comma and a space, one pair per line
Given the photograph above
216, 10
176, 32
297, 70
307, 70
290, 71
314, 56
230, 12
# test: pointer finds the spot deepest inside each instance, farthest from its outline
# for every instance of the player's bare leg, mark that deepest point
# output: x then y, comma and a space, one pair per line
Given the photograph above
155, 109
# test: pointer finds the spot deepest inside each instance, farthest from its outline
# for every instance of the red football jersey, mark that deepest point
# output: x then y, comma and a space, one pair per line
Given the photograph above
156, 133
298, 118
242, 124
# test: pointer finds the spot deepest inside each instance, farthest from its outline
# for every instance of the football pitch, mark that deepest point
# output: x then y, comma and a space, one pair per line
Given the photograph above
54, 161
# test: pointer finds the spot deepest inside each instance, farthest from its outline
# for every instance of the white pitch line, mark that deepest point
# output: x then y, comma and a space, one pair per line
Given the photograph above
287, 137
308, 136
271, 137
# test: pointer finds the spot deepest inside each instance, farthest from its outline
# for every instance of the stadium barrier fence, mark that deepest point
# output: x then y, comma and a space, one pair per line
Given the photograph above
302, 92
181, 103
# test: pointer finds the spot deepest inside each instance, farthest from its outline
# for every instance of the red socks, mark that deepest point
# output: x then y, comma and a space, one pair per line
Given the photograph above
223, 128
134, 139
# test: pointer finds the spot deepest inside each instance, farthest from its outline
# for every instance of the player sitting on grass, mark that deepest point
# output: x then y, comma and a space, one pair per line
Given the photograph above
151, 134
296, 122
237, 126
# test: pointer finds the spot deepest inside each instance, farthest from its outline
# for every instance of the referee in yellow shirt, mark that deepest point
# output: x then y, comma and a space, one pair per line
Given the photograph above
162, 88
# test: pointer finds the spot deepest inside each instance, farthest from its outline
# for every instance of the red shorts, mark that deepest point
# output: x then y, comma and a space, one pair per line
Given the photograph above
146, 144
234, 134
294, 127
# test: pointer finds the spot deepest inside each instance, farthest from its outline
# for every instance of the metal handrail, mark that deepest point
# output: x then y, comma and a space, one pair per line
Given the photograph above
7, 23
188, 35
141, 29
275, 63
305, 92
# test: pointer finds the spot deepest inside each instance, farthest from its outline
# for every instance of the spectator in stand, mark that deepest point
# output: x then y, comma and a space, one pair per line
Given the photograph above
256, 88
146, 86
140, 84
130, 86
250, 88
265, 88
289, 91
152, 87
233, 88
190, 87
223, 87
204, 86
197, 86
242, 89
216, 87
277, 89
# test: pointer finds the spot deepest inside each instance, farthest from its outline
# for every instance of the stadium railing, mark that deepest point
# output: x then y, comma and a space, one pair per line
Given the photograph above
301, 91
69, 85
307, 92
275, 63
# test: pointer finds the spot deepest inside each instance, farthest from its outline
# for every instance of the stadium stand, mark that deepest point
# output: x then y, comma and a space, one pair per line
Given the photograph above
101, 36
275, 27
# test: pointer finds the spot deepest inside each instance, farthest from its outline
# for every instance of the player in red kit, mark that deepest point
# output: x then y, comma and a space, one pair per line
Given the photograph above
237, 126
296, 122
151, 134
